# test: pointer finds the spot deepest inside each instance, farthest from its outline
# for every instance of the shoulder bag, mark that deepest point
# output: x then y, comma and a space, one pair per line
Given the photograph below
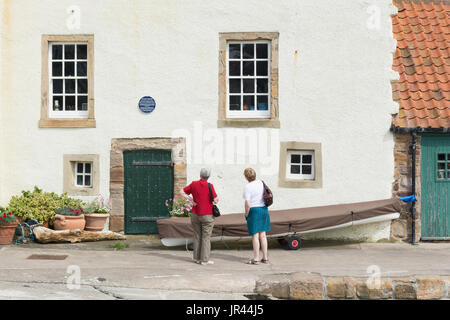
216, 211
268, 196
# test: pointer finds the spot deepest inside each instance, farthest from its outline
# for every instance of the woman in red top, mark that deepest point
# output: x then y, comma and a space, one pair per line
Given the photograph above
202, 219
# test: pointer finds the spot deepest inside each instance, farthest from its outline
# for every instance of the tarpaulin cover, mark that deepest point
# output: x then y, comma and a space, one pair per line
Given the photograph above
285, 221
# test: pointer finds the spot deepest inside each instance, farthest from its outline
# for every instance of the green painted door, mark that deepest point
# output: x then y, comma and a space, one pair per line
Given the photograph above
148, 184
435, 180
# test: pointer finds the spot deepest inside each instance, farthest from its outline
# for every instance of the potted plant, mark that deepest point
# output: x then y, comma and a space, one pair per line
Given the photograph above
179, 207
8, 224
69, 218
40, 205
96, 213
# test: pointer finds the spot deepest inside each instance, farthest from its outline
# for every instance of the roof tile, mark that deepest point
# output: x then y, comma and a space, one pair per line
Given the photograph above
422, 59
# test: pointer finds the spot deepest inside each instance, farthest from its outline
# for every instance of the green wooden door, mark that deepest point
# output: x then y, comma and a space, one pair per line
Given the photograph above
148, 184
435, 180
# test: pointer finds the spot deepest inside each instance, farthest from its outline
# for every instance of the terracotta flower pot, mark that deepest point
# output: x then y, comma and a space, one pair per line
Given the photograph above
69, 222
95, 221
7, 233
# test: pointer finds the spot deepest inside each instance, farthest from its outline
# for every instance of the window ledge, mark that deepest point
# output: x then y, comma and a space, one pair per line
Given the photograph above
293, 183
248, 123
67, 123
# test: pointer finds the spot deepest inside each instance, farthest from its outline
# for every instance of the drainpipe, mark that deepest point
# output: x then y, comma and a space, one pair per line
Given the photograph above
413, 187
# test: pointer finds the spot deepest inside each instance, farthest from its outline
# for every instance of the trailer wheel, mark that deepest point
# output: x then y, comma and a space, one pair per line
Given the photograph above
294, 243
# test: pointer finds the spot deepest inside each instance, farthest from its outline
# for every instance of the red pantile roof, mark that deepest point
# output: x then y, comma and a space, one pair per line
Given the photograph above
422, 59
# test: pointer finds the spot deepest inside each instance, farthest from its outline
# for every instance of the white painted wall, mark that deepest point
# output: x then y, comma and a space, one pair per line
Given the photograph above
335, 90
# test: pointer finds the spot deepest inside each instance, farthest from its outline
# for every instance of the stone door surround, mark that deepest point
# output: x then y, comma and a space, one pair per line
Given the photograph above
116, 185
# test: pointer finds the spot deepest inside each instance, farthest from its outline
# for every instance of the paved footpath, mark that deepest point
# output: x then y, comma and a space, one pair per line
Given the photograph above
147, 270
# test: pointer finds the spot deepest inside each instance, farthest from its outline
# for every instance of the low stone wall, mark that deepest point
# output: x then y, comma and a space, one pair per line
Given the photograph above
313, 286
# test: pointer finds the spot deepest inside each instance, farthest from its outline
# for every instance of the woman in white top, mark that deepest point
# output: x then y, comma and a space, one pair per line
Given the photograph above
257, 215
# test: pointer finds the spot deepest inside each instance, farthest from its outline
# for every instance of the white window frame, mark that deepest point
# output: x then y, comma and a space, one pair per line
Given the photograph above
247, 114
83, 174
300, 176
76, 114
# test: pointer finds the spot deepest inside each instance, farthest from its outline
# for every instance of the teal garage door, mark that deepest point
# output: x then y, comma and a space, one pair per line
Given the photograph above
435, 181
148, 184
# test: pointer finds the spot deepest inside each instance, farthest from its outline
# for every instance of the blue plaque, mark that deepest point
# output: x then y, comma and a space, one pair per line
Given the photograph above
147, 104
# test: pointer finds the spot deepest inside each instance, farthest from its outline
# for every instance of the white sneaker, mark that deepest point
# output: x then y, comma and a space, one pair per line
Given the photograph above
205, 263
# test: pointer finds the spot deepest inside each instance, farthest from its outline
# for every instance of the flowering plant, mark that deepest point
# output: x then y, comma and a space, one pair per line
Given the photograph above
69, 211
179, 207
7, 218
99, 205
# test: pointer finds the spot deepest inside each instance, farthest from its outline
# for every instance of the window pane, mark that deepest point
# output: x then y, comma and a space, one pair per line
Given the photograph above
296, 158
69, 69
248, 68
441, 156
295, 169
87, 168
70, 103
70, 85
262, 85
79, 167
306, 169
57, 86
235, 68
263, 103
261, 51
261, 68
448, 156
87, 181
81, 51
57, 103
249, 103
57, 52
82, 86
248, 51
441, 174
82, 69
69, 51
79, 180
235, 102
235, 85
235, 51
82, 103
441, 166
249, 85
56, 69
307, 158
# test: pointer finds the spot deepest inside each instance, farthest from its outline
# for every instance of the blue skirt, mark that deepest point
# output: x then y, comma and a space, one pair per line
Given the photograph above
258, 220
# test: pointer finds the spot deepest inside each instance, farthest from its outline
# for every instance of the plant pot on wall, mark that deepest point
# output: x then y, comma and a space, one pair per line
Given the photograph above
95, 221
7, 233
63, 222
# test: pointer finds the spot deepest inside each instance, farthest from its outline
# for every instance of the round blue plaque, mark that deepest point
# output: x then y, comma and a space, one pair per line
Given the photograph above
147, 104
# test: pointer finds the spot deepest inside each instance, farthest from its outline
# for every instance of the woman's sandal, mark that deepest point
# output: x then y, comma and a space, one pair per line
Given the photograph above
252, 261
265, 261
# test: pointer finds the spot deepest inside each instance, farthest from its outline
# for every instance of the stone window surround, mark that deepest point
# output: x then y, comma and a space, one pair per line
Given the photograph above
285, 182
69, 186
46, 121
273, 121
176, 145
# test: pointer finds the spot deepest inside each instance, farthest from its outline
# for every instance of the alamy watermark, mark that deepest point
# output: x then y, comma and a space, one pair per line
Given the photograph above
232, 146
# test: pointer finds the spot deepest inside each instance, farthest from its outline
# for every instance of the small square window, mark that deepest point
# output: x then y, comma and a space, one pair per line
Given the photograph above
300, 164
83, 174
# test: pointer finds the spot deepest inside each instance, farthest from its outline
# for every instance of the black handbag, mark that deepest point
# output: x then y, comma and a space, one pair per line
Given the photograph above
215, 209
